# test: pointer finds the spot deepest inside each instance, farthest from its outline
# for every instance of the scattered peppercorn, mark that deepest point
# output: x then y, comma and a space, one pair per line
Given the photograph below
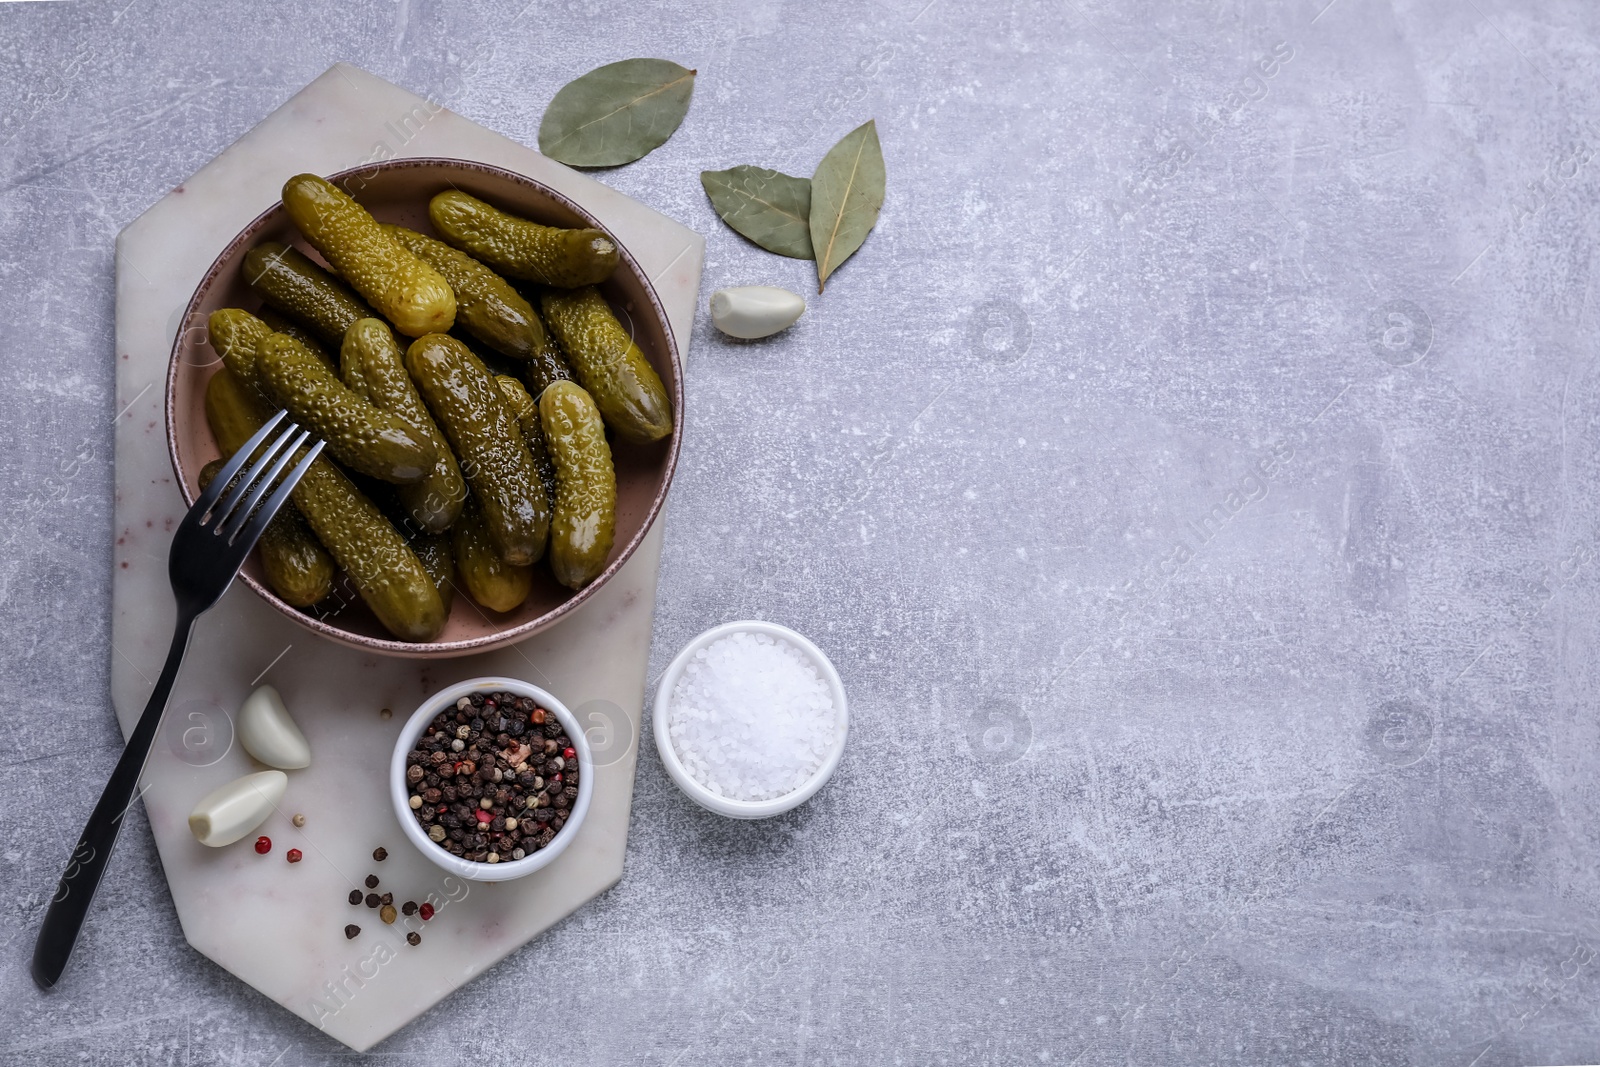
294, 855
351, 931
263, 845
387, 914
380, 853
355, 896
373, 900
413, 938
387, 898
299, 820
372, 881
425, 910
408, 908
385, 714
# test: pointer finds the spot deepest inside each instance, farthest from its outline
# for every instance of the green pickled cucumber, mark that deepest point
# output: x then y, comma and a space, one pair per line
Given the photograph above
235, 334
373, 367
490, 580
546, 365
278, 322
405, 290
386, 573
286, 279
360, 435
521, 249
583, 523
433, 549
296, 566
625, 388
487, 307
487, 439
526, 410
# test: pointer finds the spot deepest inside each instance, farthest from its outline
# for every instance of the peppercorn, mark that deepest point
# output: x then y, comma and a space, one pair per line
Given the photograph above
293, 855
380, 854
263, 845
372, 881
387, 914
387, 898
299, 820
408, 908
413, 938
373, 900
351, 931
355, 896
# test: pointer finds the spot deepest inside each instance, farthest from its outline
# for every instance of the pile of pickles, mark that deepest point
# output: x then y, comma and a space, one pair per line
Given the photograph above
438, 469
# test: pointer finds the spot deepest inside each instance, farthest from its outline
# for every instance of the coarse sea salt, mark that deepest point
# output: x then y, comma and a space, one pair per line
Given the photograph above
751, 717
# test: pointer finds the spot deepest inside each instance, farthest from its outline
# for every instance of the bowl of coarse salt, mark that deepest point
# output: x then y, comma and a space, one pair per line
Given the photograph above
750, 720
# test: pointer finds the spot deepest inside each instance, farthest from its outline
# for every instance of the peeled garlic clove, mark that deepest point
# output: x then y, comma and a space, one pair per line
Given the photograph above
751, 311
268, 733
224, 815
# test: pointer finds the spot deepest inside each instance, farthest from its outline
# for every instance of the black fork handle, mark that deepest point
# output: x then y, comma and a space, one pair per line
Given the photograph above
64, 920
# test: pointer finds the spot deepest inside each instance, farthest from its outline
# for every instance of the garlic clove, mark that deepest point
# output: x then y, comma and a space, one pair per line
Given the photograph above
752, 311
228, 813
268, 733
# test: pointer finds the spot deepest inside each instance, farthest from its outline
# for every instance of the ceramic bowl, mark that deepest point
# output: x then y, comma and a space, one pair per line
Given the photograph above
700, 794
398, 191
400, 793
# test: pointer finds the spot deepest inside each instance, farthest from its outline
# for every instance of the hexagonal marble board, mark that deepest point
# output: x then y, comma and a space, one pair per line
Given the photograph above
278, 926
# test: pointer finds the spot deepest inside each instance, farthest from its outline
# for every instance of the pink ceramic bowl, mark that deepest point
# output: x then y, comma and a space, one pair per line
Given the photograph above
398, 191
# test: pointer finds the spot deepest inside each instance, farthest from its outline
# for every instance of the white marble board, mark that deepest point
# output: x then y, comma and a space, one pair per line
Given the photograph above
279, 926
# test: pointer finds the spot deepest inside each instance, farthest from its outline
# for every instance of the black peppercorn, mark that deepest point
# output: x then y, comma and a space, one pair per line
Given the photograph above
355, 896
351, 931
373, 900
413, 938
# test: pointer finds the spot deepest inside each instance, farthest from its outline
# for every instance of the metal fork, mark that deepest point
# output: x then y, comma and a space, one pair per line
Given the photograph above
207, 550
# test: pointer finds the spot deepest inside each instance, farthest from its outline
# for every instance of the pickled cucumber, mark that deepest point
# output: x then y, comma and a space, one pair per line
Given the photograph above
467, 405
521, 249
583, 523
373, 367
613, 370
360, 435
490, 580
286, 279
545, 366
234, 334
486, 306
296, 566
433, 549
405, 290
526, 410
385, 572
278, 322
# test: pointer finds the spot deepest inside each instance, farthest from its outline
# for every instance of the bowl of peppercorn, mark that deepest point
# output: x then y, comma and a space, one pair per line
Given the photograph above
490, 779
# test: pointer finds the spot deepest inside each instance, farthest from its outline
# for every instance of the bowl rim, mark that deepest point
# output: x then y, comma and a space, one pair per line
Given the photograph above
400, 794
499, 638
700, 794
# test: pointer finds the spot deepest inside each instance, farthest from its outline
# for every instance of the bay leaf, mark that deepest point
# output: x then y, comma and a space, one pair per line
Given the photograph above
846, 195
616, 113
770, 208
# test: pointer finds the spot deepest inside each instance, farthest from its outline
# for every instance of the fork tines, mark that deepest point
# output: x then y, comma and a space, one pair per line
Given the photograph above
229, 518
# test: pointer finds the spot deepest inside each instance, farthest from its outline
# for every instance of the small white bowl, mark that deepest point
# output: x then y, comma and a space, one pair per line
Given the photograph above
401, 793
747, 809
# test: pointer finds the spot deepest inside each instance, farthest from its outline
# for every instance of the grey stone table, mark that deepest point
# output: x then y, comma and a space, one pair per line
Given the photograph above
1193, 478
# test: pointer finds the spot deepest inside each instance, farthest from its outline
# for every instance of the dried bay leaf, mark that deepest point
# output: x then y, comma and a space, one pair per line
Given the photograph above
616, 113
770, 208
846, 195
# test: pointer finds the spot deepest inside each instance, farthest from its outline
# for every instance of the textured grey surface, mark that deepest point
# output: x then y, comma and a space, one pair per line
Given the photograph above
1221, 663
